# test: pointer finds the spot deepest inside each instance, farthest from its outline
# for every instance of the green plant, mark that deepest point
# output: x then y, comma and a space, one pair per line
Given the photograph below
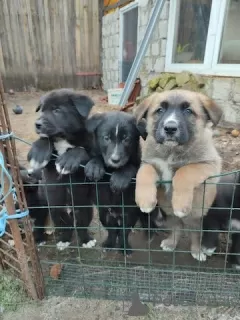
182, 48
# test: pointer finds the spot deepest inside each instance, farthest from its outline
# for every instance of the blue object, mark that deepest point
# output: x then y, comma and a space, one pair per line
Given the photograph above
3, 213
4, 217
18, 109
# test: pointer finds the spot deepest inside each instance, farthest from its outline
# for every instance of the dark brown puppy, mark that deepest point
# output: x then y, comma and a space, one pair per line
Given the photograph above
179, 147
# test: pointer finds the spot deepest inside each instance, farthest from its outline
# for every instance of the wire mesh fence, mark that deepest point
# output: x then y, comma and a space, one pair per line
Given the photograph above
117, 273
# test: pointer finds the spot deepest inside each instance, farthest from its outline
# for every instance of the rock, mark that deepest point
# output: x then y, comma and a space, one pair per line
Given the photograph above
165, 78
182, 78
171, 85
11, 92
153, 83
18, 109
199, 80
216, 133
235, 133
159, 89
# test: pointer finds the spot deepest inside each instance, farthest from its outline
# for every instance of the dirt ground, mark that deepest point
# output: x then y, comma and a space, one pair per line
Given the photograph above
71, 308
82, 309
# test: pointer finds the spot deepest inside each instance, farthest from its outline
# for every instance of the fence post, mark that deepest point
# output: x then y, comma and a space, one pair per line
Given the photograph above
31, 276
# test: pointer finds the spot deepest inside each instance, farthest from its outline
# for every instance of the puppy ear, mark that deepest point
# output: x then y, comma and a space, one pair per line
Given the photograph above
94, 121
213, 111
40, 103
141, 126
83, 104
38, 107
141, 110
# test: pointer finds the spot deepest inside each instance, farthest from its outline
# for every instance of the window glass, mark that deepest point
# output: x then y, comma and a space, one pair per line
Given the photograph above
230, 45
192, 31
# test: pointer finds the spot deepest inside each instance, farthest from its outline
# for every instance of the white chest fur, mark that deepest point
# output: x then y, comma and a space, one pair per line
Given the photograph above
62, 145
164, 168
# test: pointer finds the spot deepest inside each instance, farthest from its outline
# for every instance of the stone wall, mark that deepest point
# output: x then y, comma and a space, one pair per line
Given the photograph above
154, 60
110, 50
226, 91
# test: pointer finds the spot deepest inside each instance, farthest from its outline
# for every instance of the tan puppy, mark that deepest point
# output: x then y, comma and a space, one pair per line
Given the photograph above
179, 147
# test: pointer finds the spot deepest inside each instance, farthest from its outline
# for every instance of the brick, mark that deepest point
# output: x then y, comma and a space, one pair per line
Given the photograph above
159, 65
222, 89
163, 48
165, 12
231, 112
144, 17
143, 3
148, 63
155, 48
163, 28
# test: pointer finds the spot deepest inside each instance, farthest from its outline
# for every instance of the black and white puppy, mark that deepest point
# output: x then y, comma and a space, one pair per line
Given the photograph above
224, 215
116, 151
62, 131
36, 201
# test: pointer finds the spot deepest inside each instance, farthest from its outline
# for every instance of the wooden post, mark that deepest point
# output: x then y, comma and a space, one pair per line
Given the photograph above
32, 276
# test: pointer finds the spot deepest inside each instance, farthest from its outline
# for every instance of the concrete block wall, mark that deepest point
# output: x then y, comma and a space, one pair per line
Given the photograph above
154, 61
110, 50
225, 91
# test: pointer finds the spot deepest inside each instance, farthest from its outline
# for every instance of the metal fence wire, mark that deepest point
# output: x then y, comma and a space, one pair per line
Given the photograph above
157, 276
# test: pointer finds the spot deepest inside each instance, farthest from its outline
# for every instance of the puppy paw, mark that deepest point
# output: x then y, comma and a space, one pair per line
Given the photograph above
146, 198
94, 169
168, 245
208, 251
180, 214
41, 243
71, 160
182, 203
90, 244
62, 245
200, 256
40, 154
127, 252
11, 243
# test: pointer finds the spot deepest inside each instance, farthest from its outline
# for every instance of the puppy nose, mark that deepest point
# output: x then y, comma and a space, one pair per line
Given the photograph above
170, 128
115, 158
38, 124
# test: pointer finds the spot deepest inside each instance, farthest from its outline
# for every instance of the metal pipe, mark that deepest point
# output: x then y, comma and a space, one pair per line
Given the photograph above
141, 52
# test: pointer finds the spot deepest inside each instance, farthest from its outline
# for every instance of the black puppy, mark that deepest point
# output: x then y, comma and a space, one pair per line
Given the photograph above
116, 151
224, 215
36, 201
62, 131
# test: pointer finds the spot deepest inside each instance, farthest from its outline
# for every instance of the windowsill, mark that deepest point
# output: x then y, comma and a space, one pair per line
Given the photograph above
221, 70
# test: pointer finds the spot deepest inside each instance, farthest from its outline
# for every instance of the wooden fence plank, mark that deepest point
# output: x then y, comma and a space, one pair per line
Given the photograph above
45, 43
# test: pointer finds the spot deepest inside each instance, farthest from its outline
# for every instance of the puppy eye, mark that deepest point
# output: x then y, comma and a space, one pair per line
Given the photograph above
188, 111
106, 138
160, 110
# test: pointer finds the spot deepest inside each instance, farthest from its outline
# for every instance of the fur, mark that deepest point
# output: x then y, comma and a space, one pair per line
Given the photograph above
116, 151
62, 131
36, 201
179, 147
224, 215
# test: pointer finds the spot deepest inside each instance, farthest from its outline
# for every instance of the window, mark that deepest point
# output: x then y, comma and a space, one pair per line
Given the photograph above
128, 38
204, 37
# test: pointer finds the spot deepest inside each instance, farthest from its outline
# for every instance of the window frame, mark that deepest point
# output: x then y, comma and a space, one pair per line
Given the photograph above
210, 65
122, 11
